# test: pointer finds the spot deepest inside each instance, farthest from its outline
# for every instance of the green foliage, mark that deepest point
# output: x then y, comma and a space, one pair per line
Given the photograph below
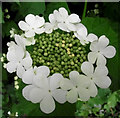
7, 27
35, 8
103, 105
50, 7
102, 26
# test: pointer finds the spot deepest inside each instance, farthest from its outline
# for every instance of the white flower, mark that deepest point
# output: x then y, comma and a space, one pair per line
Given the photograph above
53, 25
100, 50
98, 76
33, 24
82, 34
44, 89
19, 60
78, 85
66, 22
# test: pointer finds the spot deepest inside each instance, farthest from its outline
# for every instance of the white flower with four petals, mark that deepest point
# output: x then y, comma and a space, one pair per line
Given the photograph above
98, 76
78, 85
66, 22
33, 24
100, 50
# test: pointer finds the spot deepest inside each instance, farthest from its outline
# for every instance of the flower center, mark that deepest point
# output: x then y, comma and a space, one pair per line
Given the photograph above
60, 51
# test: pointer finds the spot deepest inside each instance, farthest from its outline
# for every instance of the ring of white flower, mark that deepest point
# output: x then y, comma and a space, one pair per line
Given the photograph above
44, 88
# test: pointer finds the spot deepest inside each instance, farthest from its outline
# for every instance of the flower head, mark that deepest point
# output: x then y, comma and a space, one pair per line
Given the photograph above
33, 24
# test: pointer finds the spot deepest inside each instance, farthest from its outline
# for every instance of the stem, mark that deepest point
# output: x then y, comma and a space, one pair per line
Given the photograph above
85, 8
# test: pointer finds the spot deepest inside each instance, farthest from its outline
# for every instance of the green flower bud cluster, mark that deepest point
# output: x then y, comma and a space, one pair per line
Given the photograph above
60, 51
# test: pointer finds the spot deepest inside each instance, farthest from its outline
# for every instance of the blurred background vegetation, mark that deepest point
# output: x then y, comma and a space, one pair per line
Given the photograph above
100, 18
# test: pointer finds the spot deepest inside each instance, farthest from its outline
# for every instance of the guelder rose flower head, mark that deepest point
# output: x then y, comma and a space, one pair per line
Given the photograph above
64, 46
66, 22
44, 89
100, 50
33, 24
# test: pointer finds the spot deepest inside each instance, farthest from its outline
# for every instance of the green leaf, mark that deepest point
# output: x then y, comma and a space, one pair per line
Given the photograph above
26, 8
112, 101
7, 26
50, 7
103, 26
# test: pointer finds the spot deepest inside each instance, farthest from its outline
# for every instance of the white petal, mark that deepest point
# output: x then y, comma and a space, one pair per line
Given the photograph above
47, 105
92, 56
74, 18
39, 30
109, 52
84, 81
72, 95
59, 95
28, 76
94, 46
82, 31
11, 67
84, 94
30, 19
92, 37
52, 18
27, 62
102, 82
20, 40
26, 90
63, 12
93, 89
11, 55
39, 21
66, 84
87, 68
101, 60
63, 27
19, 52
57, 16
103, 42
48, 28
55, 81
71, 26
74, 77
43, 70
101, 71
36, 95
23, 26
20, 71
30, 33
30, 41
